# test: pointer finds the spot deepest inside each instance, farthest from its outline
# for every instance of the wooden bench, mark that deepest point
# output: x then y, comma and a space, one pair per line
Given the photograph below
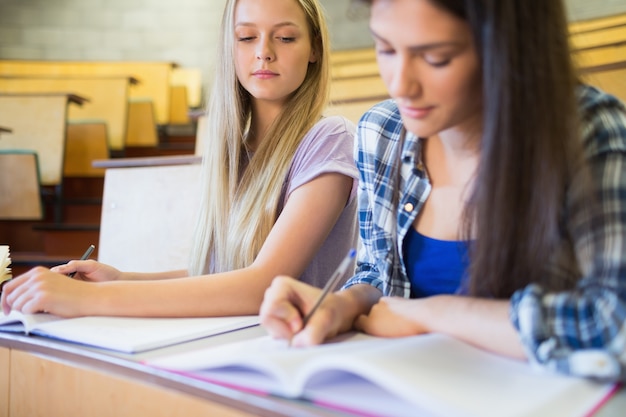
86, 142
600, 55
355, 69
352, 110
191, 79
148, 212
154, 77
19, 186
108, 98
350, 56
141, 130
39, 124
611, 35
610, 78
600, 23
358, 88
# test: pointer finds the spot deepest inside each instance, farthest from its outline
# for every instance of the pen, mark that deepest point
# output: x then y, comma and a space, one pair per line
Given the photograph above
85, 256
331, 284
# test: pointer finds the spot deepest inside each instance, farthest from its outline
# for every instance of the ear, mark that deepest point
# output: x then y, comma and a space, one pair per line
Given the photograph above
313, 56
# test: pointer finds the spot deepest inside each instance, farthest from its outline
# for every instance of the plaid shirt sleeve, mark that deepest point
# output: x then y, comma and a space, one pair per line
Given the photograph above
377, 139
583, 332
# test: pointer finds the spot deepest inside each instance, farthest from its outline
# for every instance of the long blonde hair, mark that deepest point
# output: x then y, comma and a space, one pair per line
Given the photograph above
239, 207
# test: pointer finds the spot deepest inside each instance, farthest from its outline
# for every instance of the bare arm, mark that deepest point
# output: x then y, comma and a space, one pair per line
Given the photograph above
289, 248
480, 322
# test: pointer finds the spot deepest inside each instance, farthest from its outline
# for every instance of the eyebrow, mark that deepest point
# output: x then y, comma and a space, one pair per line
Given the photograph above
277, 25
424, 47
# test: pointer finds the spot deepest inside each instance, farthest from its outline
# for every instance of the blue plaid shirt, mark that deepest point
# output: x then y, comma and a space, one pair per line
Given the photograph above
580, 332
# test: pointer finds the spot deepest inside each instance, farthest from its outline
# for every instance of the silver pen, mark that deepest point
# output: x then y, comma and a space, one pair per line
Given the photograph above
331, 284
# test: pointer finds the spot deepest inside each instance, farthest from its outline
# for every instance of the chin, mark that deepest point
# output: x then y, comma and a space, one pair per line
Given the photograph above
421, 129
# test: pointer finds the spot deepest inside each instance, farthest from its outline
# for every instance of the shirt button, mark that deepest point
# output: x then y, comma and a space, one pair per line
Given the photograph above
408, 207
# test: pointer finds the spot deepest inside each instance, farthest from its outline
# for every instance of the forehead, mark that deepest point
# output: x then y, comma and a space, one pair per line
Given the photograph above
269, 12
416, 21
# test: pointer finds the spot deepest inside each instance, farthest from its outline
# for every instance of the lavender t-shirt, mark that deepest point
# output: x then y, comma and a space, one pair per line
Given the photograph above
327, 148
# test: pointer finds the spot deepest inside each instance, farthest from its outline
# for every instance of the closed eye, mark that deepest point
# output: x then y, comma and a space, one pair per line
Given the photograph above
438, 64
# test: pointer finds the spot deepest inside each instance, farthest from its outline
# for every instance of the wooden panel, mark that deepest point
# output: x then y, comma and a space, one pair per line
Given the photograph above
141, 130
148, 217
192, 79
154, 77
611, 81
38, 124
19, 186
86, 142
46, 387
347, 56
600, 56
5, 369
599, 23
358, 88
356, 69
108, 99
179, 106
351, 110
600, 37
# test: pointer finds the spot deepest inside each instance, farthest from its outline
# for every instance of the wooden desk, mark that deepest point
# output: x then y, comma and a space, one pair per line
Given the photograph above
44, 377
154, 77
108, 98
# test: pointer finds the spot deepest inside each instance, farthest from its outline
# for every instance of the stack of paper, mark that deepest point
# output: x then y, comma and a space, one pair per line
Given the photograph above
5, 262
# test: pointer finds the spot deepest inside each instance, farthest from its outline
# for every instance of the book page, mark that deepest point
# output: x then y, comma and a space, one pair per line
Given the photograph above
18, 322
447, 377
131, 334
435, 374
261, 364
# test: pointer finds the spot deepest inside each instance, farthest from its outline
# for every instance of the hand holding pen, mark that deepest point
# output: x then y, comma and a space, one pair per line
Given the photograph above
331, 284
83, 258
289, 305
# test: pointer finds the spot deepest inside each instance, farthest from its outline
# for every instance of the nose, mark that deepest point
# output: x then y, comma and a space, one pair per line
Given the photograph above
403, 78
264, 50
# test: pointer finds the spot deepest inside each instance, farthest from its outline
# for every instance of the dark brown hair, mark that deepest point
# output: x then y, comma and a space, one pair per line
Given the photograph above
530, 144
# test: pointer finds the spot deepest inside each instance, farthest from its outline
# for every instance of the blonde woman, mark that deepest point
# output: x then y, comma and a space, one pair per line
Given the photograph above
280, 183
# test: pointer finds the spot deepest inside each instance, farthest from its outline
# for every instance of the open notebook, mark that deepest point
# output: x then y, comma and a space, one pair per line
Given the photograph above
123, 334
428, 375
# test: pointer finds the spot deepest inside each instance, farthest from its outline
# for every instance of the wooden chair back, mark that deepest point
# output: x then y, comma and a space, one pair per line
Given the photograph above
20, 188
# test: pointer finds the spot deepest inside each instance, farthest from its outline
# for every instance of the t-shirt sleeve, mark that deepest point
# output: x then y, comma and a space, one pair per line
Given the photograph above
326, 148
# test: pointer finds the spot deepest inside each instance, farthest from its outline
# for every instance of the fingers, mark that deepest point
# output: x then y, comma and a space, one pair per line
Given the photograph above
280, 312
285, 303
69, 268
81, 268
23, 292
319, 328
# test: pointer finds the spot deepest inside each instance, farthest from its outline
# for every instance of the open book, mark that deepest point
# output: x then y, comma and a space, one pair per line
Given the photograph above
5, 263
428, 375
123, 334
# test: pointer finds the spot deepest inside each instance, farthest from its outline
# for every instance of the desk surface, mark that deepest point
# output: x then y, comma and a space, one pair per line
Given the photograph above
131, 366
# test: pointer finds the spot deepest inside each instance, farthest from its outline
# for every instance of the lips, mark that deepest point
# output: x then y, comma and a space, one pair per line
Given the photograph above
263, 74
415, 112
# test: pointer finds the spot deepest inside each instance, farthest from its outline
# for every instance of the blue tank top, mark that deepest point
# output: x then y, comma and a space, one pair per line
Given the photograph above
434, 266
